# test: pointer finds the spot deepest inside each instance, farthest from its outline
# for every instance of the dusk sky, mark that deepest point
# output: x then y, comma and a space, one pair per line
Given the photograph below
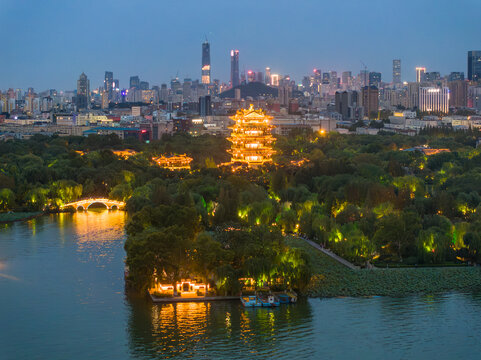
47, 44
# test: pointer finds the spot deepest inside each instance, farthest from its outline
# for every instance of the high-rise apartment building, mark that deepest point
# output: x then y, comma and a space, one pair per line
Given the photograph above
206, 63
109, 83
396, 72
364, 78
434, 99
83, 92
420, 71
346, 79
234, 68
474, 65
370, 101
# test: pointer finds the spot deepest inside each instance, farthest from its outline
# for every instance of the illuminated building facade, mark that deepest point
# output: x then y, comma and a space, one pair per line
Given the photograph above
234, 68
433, 99
251, 137
206, 63
420, 71
176, 162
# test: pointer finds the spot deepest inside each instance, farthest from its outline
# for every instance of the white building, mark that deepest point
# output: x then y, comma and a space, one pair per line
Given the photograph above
433, 99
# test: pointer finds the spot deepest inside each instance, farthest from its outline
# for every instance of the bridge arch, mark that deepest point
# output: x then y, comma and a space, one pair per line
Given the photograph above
98, 202
85, 204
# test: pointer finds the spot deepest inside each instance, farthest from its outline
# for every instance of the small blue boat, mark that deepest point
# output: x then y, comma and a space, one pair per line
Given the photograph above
250, 300
264, 300
274, 300
284, 298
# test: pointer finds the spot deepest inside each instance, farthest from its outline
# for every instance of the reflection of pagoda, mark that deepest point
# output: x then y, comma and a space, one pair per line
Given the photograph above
251, 137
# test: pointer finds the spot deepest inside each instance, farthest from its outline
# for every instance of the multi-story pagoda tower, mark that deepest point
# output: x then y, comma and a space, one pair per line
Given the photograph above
251, 137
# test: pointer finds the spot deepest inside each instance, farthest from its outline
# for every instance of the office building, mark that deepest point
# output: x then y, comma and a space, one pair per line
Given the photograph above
134, 82
432, 76
234, 68
370, 101
474, 65
206, 63
456, 75
267, 77
375, 79
458, 93
434, 99
413, 95
144, 85
205, 108
251, 76
347, 104
420, 71
396, 72
285, 92
83, 92
109, 83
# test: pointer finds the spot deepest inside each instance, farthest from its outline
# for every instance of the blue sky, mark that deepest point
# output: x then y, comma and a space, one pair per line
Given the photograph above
47, 44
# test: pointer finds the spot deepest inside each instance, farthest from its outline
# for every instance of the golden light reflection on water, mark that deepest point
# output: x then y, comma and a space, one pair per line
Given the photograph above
94, 232
97, 225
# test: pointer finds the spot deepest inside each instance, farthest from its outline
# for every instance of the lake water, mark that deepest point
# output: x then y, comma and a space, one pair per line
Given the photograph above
62, 297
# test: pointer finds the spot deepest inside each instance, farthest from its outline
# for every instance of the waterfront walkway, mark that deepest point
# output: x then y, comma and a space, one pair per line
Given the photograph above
331, 254
156, 299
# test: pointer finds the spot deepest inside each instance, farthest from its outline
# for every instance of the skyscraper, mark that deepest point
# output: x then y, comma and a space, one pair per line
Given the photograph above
267, 78
134, 82
234, 68
375, 79
420, 71
474, 65
370, 101
83, 92
206, 62
109, 83
396, 72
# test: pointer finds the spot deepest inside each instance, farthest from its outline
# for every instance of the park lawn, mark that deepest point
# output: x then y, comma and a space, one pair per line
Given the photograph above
331, 279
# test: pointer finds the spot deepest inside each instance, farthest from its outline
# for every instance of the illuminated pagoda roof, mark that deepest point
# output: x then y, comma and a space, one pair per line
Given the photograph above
174, 162
125, 153
251, 137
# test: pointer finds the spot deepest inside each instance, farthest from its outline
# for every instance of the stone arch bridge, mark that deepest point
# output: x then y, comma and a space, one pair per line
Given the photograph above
86, 203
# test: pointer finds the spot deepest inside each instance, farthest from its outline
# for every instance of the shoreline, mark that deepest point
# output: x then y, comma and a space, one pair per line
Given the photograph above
331, 279
32, 215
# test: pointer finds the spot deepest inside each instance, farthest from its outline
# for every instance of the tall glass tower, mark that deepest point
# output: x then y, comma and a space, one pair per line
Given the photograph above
234, 68
474, 65
396, 71
206, 62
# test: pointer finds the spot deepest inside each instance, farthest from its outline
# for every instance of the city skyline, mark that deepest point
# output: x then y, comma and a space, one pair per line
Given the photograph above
327, 44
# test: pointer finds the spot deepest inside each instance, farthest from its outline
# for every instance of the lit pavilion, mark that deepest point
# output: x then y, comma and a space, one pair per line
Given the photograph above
251, 137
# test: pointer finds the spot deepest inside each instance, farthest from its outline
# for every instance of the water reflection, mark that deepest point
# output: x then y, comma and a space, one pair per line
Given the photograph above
70, 303
217, 329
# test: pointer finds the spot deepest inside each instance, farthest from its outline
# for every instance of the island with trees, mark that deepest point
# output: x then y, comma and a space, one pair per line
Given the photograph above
407, 213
